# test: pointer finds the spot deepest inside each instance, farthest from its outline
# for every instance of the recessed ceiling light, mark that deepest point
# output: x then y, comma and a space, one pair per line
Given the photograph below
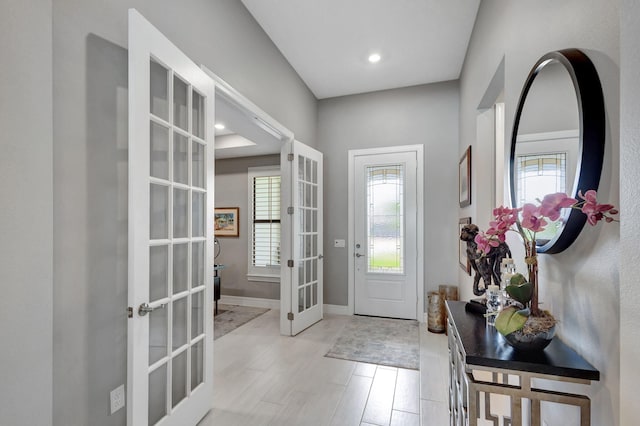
219, 126
374, 57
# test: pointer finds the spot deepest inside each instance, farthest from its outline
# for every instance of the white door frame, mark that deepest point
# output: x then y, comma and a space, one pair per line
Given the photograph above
419, 150
272, 126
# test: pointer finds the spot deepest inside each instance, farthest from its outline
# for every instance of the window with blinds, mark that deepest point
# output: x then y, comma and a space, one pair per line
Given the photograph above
264, 225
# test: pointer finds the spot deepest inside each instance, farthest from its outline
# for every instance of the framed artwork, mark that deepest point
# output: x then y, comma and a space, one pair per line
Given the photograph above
226, 221
463, 260
464, 178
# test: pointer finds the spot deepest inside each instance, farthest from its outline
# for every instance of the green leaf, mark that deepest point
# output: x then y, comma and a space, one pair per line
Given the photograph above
509, 320
517, 279
522, 293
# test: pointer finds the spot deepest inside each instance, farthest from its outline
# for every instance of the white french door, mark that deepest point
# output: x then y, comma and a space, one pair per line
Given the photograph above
170, 332
302, 286
387, 221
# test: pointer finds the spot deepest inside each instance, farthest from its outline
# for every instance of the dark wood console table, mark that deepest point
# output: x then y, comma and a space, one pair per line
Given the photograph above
481, 362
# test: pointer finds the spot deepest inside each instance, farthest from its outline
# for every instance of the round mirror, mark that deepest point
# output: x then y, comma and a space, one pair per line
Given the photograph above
557, 143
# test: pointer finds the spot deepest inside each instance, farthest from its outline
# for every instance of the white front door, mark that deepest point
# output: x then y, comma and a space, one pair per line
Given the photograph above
301, 288
170, 332
385, 240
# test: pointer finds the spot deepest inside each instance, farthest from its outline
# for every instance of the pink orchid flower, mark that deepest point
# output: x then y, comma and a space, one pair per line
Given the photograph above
504, 218
532, 218
497, 233
595, 212
552, 204
485, 244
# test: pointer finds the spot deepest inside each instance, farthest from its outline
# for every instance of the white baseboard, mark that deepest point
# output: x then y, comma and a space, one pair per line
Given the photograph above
337, 310
254, 302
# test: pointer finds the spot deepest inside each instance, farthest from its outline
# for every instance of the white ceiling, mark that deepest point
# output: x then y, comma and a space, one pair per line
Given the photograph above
328, 41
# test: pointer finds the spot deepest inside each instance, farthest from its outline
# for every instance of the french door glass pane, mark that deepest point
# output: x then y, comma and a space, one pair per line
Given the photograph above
315, 294
197, 364
301, 273
159, 155
308, 167
197, 164
198, 212
385, 219
179, 378
300, 299
180, 111
197, 264
180, 157
300, 168
308, 221
157, 394
159, 103
158, 272
179, 323
158, 335
314, 273
159, 212
197, 114
180, 267
180, 213
197, 314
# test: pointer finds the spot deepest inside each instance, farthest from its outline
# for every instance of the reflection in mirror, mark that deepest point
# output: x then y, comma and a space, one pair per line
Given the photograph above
547, 144
558, 139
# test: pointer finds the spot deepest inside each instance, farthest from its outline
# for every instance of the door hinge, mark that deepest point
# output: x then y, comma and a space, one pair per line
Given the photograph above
290, 263
290, 156
129, 312
289, 210
290, 316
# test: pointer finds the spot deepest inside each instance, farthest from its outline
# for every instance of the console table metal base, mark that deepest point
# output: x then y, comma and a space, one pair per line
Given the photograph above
517, 393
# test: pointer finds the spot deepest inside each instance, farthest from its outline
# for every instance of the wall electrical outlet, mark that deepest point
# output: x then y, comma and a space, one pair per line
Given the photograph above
117, 398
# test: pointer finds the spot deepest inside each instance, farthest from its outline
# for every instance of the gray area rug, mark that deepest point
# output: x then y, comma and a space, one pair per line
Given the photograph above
391, 342
231, 317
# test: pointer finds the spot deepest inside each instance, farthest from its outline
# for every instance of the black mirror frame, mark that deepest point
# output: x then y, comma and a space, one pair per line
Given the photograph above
592, 137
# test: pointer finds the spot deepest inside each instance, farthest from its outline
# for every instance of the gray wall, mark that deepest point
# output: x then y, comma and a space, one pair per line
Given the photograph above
90, 169
232, 190
26, 304
426, 115
630, 207
581, 285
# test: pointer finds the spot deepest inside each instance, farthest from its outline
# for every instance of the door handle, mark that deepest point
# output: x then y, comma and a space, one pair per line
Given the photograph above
320, 256
144, 309
359, 255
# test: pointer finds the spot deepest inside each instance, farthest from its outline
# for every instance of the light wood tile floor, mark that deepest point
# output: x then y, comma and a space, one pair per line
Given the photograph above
262, 378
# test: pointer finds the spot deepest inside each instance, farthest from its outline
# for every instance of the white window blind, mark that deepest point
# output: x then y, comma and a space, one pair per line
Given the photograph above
265, 229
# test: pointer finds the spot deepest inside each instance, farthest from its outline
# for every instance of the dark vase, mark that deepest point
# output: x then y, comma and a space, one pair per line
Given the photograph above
530, 342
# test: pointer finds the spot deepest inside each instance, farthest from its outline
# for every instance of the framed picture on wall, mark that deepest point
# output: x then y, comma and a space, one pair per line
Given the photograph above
464, 178
463, 260
226, 221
